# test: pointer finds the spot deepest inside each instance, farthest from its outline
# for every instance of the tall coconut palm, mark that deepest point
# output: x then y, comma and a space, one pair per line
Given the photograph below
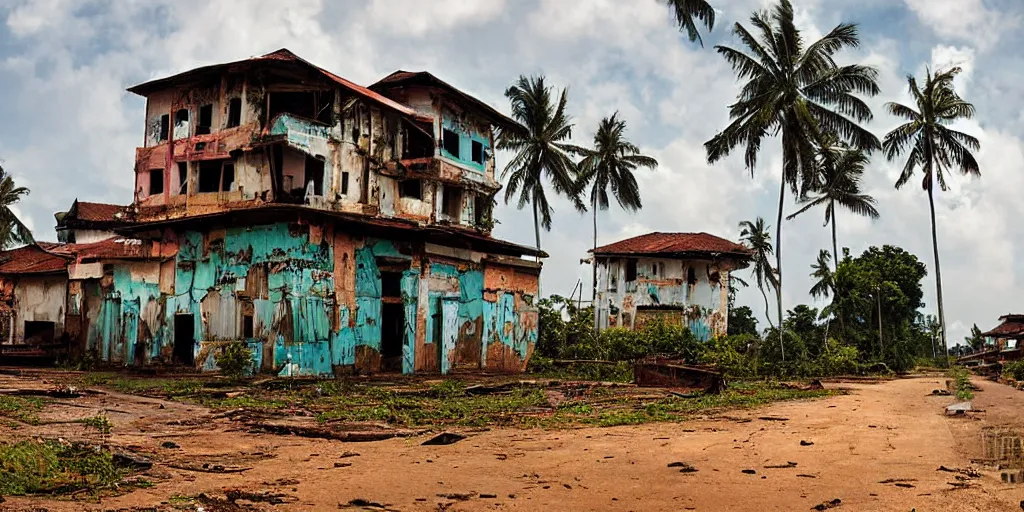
824, 284
538, 141
12, 230
840, 169
934, 147
688, 13
797, 91
756, 236
610, 163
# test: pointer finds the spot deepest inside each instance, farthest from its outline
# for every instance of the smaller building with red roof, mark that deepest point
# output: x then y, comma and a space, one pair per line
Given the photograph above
677, 278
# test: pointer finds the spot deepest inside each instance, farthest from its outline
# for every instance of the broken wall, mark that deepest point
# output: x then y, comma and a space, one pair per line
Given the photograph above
38, 299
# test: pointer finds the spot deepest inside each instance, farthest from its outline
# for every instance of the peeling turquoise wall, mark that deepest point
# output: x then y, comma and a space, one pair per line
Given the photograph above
467, 135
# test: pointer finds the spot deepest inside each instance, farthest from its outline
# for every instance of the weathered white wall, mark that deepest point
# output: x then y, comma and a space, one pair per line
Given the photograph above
39, 299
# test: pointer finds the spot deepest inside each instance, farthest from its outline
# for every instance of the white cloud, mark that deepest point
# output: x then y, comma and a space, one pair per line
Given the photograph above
965, 20
415, 18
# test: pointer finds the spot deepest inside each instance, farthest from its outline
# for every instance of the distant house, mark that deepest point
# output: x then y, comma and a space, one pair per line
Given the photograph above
679, 278
88, 222
1002, 342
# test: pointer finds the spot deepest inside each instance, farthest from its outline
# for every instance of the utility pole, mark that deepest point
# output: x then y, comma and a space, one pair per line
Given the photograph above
878, 295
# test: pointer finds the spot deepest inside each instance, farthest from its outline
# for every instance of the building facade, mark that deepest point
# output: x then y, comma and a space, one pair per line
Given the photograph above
330, 226
676, 278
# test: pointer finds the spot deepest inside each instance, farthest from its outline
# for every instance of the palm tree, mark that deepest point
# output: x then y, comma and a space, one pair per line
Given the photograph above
838, 182
796, 91
12, 230
611, 162
688, 12
934, 147
825, 284
537, 141
756, 236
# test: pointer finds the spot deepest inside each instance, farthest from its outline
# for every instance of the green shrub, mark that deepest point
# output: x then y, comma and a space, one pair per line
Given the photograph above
732, 355
234, 360
961, 382
839, 359
1014, 370
33, 467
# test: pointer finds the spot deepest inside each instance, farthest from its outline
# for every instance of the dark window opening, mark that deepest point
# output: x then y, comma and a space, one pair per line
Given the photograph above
691, 276
234, 112
156, 181
416, 144
227, 176
390, 284
314, 105
392, 331
478, 152
483, 210
40, 333
184, 339
451, 201
411, 188
247, 327
181, 116
344, 183
205, 120
314, 175
183, 178
209, 176
654, 269
165, 121
450, 142
630, 270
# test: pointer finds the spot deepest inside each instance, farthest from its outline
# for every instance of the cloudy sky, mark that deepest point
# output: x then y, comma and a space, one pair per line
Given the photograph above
68, 129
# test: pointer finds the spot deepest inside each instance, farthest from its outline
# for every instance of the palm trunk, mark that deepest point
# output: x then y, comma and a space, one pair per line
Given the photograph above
767, 308
536, 226
778, 264
835, 245
593, 266
938, 273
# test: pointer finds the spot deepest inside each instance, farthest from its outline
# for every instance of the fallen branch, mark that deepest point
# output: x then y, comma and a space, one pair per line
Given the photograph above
324, 433
206, 468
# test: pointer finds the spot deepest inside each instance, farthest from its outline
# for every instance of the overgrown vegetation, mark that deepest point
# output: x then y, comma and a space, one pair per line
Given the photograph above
101, 423
124, 383
234, 360
1014, 370
23, 409
38, 467
962, 386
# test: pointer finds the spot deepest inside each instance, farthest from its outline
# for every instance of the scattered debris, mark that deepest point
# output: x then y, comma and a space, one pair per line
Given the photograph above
906, 485
806, 476
968, 472
364, 503
749, 472
806, 443
208, 468
316, 431
811, 386
958, 409
488, 496
170, 445
136, 462
667, 373
772, 418
444, 439
348, 454
897, 480
941, 392
458, 496
342, 464
828, 504
787, 465
272, 498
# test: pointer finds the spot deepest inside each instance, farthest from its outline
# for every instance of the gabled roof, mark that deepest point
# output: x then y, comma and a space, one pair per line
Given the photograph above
1012, 327
674, 244
85, 213
32, 259
280, 56
400, 78
116, 248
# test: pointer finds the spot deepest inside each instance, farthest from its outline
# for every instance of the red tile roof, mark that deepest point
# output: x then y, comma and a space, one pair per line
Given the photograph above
1012, 327
282, 55
674, 243
32, 259
423, 77
111, 248
98, 212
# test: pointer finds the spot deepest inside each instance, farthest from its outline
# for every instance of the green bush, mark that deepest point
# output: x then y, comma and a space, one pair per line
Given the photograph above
1014, 370
33, 467
839, 359
961, 382
234, 360
732, 355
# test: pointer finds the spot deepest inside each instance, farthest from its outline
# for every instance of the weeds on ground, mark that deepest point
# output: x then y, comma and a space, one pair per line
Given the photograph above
23, 409
37, 467
961, 382
143, 386
100, 423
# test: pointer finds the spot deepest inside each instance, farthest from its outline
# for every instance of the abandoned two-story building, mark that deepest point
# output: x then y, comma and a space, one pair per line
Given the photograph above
677, 278
328, 225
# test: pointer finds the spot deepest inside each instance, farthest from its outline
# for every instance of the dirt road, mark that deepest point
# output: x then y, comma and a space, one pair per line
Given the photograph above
753, 460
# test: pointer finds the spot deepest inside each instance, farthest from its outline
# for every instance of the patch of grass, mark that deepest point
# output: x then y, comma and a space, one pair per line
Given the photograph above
100, 423
962, 386
21, 408
143, 385
244, 401
49, 467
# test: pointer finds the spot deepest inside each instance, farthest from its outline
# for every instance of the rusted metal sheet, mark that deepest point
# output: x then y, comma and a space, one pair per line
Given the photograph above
674, 374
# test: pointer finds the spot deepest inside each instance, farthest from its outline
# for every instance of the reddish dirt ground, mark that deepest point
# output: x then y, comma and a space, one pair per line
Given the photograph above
892, 430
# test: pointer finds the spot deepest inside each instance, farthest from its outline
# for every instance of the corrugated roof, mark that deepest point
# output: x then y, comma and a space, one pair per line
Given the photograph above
112, 248
32, 259
98, 212
674, 243
423, 77
282, 55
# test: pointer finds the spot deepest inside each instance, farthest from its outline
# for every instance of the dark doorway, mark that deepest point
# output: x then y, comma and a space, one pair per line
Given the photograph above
40, 333
184, 339
391, 334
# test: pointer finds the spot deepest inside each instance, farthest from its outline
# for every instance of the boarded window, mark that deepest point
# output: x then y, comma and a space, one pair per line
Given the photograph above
156, 181
209, 176
205, 120
344, 183
411, 188
234, 112
630, 270
478, 152
183, 178
451, 201
450, 142
165, 126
